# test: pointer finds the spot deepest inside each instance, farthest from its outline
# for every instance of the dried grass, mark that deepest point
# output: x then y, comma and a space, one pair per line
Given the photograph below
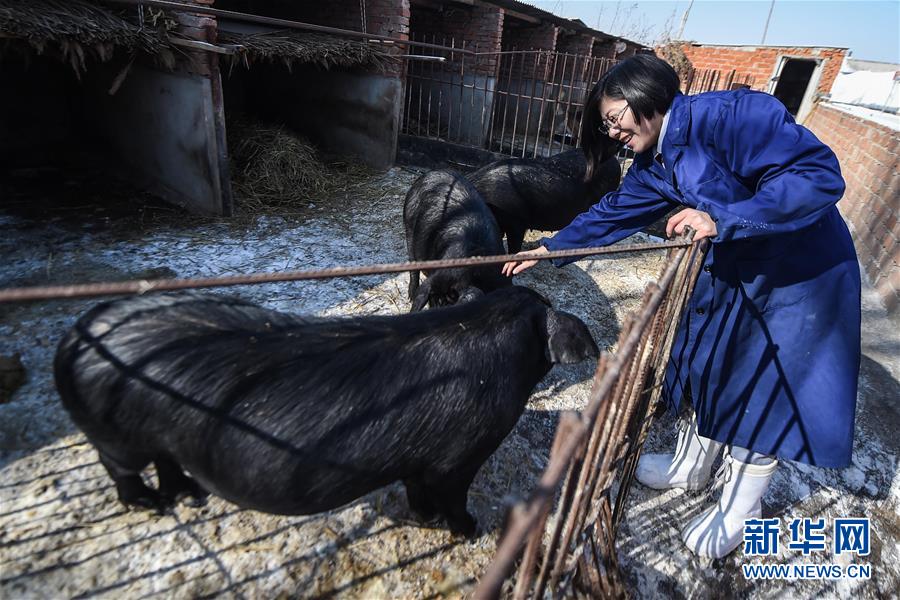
289, 47
79, 31
273, 167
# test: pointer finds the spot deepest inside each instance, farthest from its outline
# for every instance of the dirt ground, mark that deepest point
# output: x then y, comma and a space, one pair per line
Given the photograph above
64, 534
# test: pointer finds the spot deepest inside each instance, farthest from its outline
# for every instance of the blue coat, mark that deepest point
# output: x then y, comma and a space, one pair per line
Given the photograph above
769, 343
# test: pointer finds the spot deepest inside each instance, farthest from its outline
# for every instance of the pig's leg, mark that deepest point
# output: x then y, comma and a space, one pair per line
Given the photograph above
450, 494
512, 226
515, 235
423, 294
413, 284
418, 499
126, 473
174, 485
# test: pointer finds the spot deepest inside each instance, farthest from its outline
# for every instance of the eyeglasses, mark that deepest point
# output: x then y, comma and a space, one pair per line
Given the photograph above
610, 122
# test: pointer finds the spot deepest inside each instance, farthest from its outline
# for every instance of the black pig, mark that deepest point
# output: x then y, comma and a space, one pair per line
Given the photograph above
445, 217
546, 193
293, 415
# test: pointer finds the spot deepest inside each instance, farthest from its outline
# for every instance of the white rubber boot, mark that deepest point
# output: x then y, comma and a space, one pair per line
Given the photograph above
689, 468
716, 532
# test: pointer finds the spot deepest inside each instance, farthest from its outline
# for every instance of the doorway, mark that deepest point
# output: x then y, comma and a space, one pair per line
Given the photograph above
794, 83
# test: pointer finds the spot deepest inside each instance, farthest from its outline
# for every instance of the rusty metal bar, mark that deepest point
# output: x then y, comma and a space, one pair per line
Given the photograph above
589, 80
537, 134
568, 421
275, 22
600, 452
569, 98
440, 107
519, 86
508, 95
472, 96
462, 89
495, 108
635, 391
410, 81
484, 96
604, 65
144, 285
569, 487
508, 548
664, 330
621, 397
530, 102
558, 88
430, 94
421, 79
450, 95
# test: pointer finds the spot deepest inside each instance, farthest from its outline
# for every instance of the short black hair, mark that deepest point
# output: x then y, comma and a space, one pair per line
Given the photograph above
646, 82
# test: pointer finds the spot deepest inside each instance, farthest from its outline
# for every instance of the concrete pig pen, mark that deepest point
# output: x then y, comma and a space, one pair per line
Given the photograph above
64, 534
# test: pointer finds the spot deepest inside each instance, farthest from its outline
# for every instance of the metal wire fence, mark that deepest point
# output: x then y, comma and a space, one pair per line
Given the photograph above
524, 103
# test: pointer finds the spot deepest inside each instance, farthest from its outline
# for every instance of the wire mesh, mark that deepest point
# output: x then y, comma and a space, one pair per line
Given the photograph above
523, 103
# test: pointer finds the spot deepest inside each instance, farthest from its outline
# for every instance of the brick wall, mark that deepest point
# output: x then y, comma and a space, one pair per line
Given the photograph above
580, 45
630, 50
575, 43
476, 27
604, 49
608, 50
869, 154
536, 37
760, 61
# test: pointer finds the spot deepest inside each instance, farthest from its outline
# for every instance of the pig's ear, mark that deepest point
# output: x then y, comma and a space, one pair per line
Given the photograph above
568, 339
422, 294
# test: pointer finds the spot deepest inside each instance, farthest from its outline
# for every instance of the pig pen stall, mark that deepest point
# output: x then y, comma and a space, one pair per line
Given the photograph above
278, 144
99, 97
64, 533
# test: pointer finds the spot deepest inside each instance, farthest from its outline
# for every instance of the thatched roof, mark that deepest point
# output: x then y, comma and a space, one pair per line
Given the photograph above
292, 47
79, 29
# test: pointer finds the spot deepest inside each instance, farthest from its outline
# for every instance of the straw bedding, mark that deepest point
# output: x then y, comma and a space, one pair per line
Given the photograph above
274, 168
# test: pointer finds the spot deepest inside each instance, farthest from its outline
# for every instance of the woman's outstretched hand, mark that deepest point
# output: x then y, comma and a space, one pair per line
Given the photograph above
699, 220
515, 267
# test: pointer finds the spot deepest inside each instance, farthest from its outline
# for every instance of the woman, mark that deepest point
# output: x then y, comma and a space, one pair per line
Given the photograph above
768, 346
